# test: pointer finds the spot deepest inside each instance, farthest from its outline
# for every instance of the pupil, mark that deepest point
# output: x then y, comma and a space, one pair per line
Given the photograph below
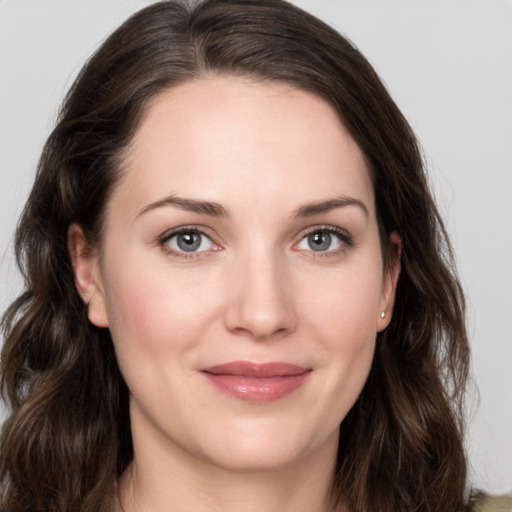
189, 242
319, 241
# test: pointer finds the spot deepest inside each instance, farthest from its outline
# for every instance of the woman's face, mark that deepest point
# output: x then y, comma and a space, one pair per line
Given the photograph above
240, 275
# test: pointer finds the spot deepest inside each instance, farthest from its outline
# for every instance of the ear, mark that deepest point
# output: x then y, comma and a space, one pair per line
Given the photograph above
389, 282
86, 270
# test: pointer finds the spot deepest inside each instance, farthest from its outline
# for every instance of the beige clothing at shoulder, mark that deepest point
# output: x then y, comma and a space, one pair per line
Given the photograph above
493, 504
117, 505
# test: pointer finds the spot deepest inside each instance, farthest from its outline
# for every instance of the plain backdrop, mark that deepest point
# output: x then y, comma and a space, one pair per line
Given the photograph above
447, 63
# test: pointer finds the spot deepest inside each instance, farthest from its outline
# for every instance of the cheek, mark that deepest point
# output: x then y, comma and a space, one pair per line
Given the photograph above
343, 316
156, 310
346, 303
157, 321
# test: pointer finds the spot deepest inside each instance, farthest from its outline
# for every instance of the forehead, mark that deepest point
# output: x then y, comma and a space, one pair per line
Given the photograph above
243, 142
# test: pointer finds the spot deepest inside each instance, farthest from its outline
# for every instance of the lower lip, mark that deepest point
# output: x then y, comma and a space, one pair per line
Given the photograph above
258, 389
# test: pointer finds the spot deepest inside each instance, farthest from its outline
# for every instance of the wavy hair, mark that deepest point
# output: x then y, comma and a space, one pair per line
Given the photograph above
68, 438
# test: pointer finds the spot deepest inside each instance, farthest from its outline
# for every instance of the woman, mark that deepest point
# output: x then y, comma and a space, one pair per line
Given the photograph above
239, 293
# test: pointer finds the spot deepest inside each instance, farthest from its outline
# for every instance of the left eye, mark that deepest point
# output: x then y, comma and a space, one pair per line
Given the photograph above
189, 241
322, 240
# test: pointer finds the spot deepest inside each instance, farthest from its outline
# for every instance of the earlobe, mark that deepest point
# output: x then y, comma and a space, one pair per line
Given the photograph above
389, 283
87, 276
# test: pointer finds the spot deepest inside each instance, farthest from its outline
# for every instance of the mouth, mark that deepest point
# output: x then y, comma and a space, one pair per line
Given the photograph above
253, 382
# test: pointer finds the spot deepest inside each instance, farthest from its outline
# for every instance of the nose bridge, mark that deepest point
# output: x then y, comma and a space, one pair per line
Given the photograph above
261, 303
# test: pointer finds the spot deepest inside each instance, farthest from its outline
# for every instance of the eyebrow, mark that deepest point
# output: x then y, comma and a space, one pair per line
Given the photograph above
311, 209
217, 210
191, 205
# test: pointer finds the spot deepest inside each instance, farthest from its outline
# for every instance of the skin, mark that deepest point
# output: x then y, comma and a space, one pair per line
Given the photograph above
254, 291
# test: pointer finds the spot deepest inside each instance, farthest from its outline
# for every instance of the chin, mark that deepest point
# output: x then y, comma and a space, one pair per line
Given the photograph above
254, 460
263, 446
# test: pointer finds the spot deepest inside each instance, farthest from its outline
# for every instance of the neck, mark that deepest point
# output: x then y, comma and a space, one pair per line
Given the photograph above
158, 482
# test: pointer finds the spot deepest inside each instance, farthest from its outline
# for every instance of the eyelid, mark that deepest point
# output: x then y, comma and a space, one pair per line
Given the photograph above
343, 235
164, 238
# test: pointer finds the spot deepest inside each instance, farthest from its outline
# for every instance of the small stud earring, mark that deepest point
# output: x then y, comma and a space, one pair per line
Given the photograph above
383, 314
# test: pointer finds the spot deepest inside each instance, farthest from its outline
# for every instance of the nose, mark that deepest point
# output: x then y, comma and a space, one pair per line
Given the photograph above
261, 301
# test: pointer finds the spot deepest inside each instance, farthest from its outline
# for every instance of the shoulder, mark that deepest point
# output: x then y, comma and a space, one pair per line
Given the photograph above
485, 503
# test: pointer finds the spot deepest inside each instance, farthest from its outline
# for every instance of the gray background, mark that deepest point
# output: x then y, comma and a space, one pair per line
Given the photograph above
447, 63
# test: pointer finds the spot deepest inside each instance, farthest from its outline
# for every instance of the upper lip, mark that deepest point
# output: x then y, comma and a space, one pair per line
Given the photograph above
256, 370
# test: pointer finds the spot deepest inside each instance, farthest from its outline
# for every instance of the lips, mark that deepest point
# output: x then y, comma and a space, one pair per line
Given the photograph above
257, 382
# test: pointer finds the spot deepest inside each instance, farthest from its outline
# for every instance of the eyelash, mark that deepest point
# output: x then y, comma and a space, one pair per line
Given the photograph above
344, 238
163, 241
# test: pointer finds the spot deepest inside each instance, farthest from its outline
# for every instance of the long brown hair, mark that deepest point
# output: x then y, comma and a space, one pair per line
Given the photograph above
67, 438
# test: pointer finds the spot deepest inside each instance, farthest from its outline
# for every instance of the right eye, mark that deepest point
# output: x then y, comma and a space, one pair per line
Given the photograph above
186, 241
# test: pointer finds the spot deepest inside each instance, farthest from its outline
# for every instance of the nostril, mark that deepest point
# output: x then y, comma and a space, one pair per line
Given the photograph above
263, 321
